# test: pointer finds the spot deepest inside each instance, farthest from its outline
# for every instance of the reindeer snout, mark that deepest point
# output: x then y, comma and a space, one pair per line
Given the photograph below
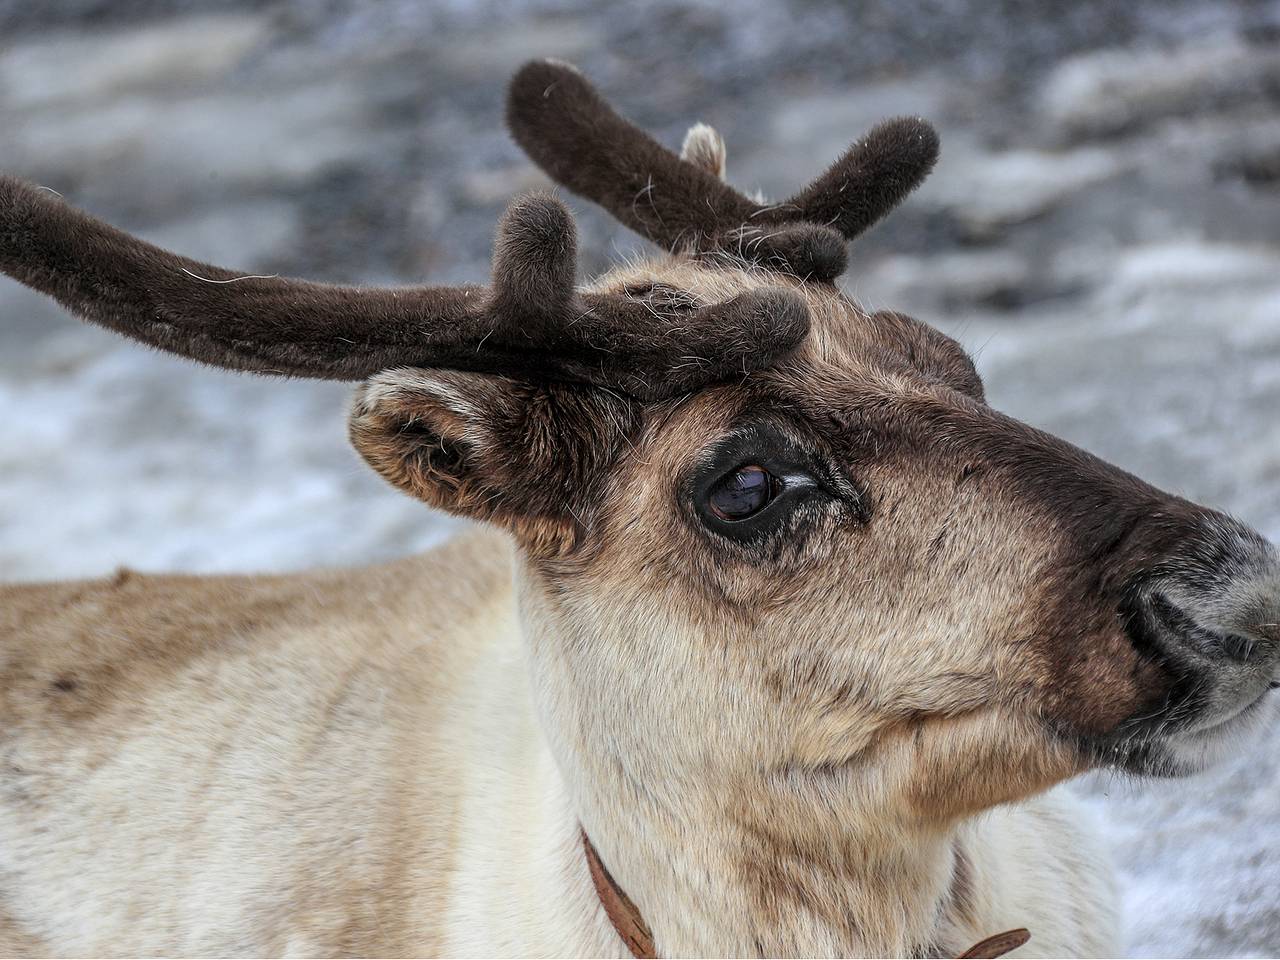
1211, 620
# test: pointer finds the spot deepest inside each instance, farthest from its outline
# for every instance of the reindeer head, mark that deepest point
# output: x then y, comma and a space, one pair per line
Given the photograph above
768, 542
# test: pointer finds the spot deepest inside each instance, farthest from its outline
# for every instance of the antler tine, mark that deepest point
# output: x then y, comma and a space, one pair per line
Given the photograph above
704, 147
871, 178
613, 340
532, 322
573, 134
534, 262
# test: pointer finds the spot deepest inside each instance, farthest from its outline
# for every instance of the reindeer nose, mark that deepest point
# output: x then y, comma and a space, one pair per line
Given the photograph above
1218, 618
1157, 620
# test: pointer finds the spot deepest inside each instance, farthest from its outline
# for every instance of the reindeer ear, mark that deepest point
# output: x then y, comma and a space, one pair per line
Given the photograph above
526, 456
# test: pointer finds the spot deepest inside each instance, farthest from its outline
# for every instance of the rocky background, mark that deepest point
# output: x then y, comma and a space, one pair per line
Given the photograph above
1103, 231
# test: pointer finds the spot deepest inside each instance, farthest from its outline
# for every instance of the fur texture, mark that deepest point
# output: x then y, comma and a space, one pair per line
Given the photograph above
532, 323
704, 147
569, 130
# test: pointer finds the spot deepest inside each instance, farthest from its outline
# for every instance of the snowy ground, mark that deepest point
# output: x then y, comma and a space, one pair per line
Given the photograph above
1103, 231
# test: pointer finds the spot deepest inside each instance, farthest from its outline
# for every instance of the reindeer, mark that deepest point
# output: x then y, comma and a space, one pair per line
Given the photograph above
773, 640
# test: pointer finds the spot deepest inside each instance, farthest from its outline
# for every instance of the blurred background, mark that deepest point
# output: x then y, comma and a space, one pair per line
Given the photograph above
1103, 232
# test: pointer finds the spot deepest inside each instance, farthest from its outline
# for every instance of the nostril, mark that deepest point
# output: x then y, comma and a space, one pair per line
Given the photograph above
1174, 622
1170, 616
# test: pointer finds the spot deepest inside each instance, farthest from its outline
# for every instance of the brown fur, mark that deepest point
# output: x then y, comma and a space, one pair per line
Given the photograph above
568, 129
532, 323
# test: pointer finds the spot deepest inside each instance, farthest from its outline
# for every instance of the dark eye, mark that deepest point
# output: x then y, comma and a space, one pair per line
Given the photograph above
743, 493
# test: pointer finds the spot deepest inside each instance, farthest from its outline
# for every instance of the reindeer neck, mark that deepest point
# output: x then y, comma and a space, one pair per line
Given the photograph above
719, 883
720, 865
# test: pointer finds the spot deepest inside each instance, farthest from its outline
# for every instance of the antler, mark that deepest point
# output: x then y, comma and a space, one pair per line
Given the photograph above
569, 130
531, 322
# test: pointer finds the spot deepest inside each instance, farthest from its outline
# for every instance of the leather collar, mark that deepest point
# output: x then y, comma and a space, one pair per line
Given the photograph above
622, 913
635, 933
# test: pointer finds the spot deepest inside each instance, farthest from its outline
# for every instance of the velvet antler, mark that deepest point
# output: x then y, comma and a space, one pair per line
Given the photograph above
569, 130
531, 322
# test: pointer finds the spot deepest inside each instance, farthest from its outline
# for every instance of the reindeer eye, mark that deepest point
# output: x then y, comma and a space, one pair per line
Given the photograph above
743, 493
756, 484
